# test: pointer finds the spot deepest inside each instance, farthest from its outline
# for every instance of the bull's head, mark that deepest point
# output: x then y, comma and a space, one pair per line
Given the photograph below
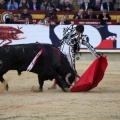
67, 74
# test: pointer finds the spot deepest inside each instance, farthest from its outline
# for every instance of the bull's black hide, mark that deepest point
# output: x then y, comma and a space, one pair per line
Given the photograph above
51, 64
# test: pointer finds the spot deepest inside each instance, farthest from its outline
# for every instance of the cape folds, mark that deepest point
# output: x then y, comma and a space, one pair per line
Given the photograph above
92, 76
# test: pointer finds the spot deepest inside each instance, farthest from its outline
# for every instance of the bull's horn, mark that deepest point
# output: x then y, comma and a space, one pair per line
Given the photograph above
66, 78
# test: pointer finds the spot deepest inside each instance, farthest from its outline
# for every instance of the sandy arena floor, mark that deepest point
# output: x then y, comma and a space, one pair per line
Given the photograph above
101, 103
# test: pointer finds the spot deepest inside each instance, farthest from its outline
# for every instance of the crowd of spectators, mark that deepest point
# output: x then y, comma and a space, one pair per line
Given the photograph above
85, 9
57, 5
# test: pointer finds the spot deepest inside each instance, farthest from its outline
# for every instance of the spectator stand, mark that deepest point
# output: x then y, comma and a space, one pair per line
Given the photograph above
38, 14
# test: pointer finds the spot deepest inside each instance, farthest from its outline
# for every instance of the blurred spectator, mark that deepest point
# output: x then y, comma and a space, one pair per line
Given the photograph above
118, 23
85, 5
56, 1
24, 4
67, 6
12, 5
66, 19
113, 1
61, 21
81, 1
75, 5
61, 2
117, 5
6, 1
29, 1
34, 5
109, 6
78, 1
55, 5
25, 14
40, 1
90, 14
46, 21
3, 4
70, 1
104, 17
45, 5
80, 15
18, 1
51, 13
27, 21
9, 18
15, 20
96, 5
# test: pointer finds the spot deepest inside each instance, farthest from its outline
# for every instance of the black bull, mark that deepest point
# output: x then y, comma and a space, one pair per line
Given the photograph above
51, 64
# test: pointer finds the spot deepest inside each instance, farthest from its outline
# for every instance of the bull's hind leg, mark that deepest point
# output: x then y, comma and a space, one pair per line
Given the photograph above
5, 84
41, 82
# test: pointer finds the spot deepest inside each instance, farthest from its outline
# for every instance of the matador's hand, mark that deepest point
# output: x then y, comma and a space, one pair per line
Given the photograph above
99, 55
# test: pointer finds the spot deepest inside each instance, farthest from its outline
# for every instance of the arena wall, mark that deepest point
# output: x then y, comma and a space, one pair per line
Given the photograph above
87, 56
105, 39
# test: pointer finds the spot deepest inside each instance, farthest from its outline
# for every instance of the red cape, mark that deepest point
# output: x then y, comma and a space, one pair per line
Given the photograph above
92, 76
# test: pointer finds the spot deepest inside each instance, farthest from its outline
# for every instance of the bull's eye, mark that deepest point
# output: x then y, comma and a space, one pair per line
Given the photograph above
1, 63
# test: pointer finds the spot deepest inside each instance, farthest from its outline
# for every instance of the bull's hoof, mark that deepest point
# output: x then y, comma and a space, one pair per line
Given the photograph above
36, 89
40, 90
52, 88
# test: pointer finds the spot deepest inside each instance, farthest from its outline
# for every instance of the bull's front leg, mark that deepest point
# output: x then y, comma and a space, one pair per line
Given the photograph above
41, 82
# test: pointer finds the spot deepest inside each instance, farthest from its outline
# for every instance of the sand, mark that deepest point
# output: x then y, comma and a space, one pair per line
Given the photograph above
101, 103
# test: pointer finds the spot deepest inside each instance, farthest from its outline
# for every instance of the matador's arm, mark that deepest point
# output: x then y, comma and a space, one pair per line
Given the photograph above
89, 46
